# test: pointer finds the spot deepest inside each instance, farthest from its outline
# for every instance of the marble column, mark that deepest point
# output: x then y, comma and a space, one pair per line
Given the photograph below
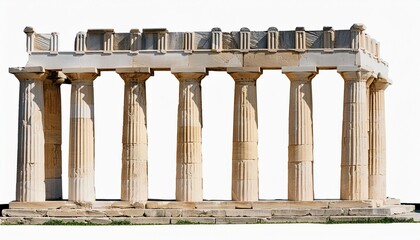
245, 135
134, 181
300, 165
82, 135
354, 152
30, 185
377, 140
52, 128
189, 177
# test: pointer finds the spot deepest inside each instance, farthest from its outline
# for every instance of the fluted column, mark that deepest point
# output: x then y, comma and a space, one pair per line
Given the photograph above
245, 135
134, 184
52, 123
354, 152
189, 177
30, 185
82, 136
300, 165
377, 140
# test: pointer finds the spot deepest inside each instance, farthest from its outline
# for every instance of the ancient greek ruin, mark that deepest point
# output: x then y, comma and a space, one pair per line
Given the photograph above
244, 55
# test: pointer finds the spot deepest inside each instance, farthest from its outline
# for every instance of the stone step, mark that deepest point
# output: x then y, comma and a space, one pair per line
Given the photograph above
202, 213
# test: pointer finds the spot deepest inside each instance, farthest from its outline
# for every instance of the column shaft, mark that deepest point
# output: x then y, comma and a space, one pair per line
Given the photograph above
134, 176
30, 185
52, 120
377, 141
189, 177
245, 137
354, 154
300, 166
82, 142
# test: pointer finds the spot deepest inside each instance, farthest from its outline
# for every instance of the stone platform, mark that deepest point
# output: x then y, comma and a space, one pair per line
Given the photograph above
206, 212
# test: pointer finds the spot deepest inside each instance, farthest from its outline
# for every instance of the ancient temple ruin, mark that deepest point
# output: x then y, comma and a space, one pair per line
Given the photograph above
244, 54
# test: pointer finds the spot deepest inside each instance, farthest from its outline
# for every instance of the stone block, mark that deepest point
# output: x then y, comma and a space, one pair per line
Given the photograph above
248, 213
354, 218
201, 220
36, 220
289, 204
69, 213
42, 205
290, 212
173, 212
215, 205
24, 213
370, 212
351, 204
170, 205
114, 212
103, 220
154, 213
132, 212
150, 220
243, 205
392, 201
328, 212
203, 213
236, 220
295, 219
14, 220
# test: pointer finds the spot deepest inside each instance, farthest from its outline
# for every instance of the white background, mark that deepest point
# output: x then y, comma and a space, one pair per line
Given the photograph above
395, 24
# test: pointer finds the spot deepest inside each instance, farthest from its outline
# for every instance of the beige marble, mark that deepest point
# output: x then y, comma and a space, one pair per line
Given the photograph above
377, 140
82, 135
300, 165
134, 178
354, 153
30, 185
189, 172
245, 134
52, 128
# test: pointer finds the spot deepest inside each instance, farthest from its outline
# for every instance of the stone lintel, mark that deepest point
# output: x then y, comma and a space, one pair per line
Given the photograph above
313, 69
244, 70
134, 70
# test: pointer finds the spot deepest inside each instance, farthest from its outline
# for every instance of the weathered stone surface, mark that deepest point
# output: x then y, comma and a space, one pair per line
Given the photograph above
328, 212
236, 220
351, 204
14, 220
100, 220
290, 204
248, 213
174, 205
290, 212
295, 219
219, 205
203, 213
23, 213
205, 220
150, 220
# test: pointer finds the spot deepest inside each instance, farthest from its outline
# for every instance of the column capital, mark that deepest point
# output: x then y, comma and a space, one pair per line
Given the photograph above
380, 83
56, 77
245, 74
81, 73
353, 73
300, 73
185, 74
138, 74
29, 73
